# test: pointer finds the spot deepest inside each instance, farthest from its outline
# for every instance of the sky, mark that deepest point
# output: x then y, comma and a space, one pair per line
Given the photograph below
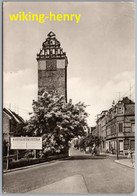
100, 51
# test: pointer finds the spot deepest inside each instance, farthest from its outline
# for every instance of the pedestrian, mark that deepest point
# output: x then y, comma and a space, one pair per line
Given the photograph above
129, 154
95, 150
92, 150
132, 157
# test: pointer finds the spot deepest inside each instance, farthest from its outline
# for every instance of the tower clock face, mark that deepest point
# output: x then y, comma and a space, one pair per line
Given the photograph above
51, 65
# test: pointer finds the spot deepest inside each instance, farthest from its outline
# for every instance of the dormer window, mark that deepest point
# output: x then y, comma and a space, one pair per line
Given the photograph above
120, 109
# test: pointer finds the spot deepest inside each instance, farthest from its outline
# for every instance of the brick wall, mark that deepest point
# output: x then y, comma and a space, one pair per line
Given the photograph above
52, 80
129, 109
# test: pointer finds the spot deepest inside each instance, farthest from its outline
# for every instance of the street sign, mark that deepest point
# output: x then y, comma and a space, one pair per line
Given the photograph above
26, 143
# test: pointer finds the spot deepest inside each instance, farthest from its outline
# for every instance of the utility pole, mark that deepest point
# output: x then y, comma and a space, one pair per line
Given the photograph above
117, 146
119, 93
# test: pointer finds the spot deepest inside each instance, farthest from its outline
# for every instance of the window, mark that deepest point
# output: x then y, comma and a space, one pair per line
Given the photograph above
51, 65
120, 109
133, 127
113, 130
120, 127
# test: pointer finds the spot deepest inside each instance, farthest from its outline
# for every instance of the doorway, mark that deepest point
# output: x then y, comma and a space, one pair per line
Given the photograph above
121, 145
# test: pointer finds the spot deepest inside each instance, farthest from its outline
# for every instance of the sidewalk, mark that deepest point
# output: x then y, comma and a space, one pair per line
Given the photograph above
73, 184
125, 162
113, 155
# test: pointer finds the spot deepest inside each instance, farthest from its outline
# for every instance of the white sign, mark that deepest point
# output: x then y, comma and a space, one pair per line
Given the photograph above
26, 143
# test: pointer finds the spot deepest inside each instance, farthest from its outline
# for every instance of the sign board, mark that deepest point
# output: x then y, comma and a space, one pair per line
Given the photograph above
26, 143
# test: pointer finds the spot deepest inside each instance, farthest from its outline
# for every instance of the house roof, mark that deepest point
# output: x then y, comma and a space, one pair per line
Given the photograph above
126, 100
13, 115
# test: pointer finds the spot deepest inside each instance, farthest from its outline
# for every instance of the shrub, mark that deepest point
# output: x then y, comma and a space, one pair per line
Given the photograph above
31, 161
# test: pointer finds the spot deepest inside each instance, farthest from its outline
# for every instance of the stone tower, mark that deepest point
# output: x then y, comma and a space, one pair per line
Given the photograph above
52, 66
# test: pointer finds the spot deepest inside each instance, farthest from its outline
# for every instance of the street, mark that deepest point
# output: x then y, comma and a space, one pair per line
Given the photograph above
96, 174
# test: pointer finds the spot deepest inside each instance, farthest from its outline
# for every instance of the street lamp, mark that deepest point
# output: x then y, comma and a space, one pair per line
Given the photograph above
117, 144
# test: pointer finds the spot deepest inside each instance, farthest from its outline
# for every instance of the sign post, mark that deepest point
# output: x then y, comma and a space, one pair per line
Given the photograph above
7, 165
35, 154
26, 143
17, 155
117, 145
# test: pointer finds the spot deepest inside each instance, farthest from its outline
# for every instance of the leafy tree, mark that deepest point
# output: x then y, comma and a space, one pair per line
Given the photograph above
56, 121
4, 147
90, 140
19, 131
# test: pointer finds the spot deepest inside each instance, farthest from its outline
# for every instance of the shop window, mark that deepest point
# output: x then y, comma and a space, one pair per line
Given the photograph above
126, 144
132, 144
120, 145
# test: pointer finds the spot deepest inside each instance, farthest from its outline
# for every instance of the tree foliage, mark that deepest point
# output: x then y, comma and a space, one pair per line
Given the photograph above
89, 141
56, 121
19, 131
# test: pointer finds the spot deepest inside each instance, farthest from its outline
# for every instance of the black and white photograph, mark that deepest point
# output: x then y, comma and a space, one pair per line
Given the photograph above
68, 97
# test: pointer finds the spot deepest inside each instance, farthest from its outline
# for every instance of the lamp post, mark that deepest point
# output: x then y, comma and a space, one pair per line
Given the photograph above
117, 145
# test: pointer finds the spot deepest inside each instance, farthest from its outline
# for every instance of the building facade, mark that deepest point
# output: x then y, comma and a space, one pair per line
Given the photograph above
101, 129
116, 127
12, 126
52, 66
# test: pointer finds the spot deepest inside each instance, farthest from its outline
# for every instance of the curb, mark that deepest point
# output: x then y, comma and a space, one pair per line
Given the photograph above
31, 166
114, 155
116, 161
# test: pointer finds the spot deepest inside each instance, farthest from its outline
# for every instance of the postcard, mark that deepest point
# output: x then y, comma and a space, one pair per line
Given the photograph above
69, 97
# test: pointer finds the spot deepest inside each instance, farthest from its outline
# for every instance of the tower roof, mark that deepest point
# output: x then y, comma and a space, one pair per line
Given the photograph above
51, 34
51, 48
